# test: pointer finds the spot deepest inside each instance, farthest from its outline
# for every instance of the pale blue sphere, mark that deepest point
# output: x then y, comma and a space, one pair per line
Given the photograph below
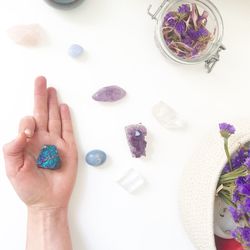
75, 50
96, 157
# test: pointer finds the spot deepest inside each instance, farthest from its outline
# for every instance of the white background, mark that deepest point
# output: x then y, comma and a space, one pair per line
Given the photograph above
118, 38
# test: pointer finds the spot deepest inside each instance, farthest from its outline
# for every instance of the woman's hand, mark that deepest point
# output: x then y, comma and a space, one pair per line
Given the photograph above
50, 124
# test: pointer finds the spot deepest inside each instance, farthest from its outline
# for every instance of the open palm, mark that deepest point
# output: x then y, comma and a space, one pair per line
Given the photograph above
50, 125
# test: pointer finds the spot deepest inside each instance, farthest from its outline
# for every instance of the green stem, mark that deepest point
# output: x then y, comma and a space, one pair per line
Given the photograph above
226, 197
232, 176
227, 153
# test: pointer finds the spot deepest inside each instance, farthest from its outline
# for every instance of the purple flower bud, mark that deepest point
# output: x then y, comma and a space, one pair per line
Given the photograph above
236, 196
245, 233
184, 8
202, 32
192, 34
180, 27
226, 130
171, 22
247, 162
169, 15
239, 158
247, 205
170, 19
241, 180
235, 214
244, 189
234, 233
188, 41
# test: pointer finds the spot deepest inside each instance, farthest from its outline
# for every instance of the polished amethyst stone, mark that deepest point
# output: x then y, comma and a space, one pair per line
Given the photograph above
136, 139
109, 94
49, 157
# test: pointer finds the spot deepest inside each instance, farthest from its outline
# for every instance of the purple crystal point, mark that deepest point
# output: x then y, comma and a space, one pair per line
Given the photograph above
109, 94
136, 139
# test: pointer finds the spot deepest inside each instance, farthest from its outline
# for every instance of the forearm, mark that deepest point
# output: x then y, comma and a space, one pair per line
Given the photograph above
48, 229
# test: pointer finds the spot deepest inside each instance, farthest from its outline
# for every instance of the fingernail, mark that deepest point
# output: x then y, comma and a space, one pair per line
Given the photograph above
28, 132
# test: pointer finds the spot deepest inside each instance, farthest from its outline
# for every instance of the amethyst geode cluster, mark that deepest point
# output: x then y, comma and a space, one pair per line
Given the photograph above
136, 139
185, 31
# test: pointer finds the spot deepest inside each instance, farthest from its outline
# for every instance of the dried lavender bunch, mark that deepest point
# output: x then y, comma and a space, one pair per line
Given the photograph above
185, 31
234, 187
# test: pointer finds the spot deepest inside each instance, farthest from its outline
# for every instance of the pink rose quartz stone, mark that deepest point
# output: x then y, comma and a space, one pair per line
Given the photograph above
26, 35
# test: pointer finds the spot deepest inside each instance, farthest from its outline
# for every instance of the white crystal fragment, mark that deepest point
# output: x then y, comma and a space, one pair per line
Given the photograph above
167, 116
223, 221
27, 35
131, 181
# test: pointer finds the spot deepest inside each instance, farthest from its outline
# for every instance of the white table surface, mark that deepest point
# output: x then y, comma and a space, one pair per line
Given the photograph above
118, 38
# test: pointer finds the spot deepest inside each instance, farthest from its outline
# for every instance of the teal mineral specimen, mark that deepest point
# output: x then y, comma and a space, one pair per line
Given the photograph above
49, 157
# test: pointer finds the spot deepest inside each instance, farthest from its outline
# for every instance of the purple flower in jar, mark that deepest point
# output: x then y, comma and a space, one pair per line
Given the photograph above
180, 27
193, 34
171, 22
168, 16
170, 19
184, 8
202, 32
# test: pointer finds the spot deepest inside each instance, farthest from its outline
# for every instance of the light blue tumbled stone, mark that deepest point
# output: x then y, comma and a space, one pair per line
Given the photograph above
96, 157
75, 50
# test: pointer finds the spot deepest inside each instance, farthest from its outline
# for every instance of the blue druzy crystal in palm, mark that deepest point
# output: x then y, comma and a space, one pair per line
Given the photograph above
49, 157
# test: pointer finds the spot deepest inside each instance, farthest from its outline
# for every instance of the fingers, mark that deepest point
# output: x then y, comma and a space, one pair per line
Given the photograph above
54, 123
14, 154
14, 151
27, 125
67, 128
40, 103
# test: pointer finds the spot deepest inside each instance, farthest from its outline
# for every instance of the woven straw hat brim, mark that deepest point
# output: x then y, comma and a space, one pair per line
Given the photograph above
199, 182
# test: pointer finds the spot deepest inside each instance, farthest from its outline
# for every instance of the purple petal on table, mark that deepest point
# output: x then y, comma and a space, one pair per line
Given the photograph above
109, 94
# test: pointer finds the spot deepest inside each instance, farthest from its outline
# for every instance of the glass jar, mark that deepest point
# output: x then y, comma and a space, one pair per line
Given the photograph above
64, 4
189, 31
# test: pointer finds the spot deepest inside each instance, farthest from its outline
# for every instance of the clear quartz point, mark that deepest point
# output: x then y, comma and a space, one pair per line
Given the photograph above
131, 181
167, 116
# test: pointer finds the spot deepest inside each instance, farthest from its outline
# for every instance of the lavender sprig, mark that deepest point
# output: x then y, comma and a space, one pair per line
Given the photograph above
234, 187
226, 130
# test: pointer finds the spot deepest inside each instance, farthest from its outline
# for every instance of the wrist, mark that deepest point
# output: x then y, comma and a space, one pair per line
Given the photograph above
49, 211
48, 226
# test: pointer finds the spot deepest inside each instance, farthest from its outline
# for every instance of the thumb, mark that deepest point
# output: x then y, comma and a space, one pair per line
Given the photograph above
14, 154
